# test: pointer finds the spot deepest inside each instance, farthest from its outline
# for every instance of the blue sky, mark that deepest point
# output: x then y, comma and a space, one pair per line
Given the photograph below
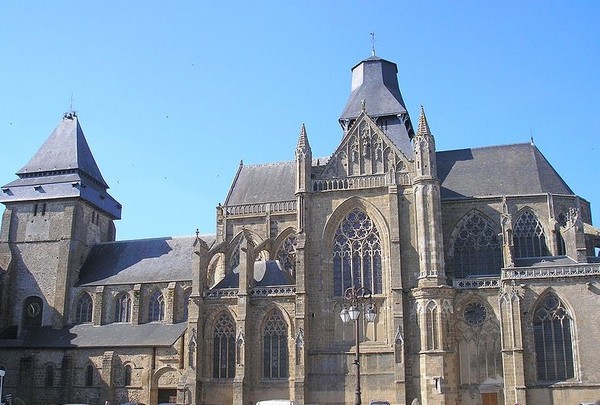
172, 95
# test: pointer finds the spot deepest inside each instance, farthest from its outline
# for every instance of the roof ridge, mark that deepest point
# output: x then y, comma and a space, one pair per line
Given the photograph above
490, 147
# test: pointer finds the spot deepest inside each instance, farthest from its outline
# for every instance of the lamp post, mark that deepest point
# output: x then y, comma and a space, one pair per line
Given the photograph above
356, 296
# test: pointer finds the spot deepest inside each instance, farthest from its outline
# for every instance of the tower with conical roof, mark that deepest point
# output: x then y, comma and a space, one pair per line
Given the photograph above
55, 211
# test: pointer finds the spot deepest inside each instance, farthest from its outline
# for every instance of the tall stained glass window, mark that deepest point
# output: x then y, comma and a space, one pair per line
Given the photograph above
224, 347
357, 254
275, 350
553, 346
528, 236
156, 307
477, 248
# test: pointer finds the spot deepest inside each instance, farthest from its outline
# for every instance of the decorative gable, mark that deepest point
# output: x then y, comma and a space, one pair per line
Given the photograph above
365, 150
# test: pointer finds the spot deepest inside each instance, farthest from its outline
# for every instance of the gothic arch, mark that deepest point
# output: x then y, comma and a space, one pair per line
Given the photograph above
554, 338
162, 371
347, 206
283, 235
475, 247
545, 234
212, 317
78, 314
284, 314
345, 254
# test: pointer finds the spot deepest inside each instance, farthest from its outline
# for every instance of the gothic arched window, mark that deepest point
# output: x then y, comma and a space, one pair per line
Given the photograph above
127, 375
275, 350
89, 376
123, 308
49, 378
84, 309
156, 307
528, 236
553, 345
477, 248
357, 254
224, 347
431, 322
287, 254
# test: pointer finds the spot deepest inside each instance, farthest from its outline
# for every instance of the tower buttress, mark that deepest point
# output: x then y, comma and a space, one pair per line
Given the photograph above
303, 174
428, 205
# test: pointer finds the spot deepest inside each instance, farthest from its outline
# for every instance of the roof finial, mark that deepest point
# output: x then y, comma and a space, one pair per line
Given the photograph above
372, 34
531, 135
71, 113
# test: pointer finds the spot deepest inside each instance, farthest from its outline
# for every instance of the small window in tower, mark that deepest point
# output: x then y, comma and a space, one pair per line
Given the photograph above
43, 209
35, 209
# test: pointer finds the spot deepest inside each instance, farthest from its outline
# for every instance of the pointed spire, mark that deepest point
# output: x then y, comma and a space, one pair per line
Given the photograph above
303, 139
65, 149
423, 128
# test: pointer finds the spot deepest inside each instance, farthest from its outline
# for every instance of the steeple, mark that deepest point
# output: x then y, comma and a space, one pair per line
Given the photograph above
375, 82
63, 167
424, 145
423, 128
303, 162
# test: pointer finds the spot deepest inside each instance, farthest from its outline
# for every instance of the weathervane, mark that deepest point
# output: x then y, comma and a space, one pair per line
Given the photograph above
71, 113
372, 34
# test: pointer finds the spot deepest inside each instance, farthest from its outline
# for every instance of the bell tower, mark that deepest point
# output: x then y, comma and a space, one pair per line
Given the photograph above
55, 211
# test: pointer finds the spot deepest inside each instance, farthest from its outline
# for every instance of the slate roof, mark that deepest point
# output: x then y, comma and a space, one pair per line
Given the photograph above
266, 273
497, 170
375, 81
263, 183
138, 261
516, 169
63, 167
155, 334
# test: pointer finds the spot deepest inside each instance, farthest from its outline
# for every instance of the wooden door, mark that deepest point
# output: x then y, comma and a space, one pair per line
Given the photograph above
489, 398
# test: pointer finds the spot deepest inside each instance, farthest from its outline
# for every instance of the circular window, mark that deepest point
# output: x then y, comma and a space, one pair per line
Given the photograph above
475, 314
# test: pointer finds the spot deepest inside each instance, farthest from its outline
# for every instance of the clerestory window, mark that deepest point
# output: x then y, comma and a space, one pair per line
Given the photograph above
477, 248
123, 308
84, 309
528, 236
156, 307
287, 254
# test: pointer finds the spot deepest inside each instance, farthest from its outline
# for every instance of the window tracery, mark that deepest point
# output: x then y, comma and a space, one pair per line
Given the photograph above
357, 254
287, 254
123, 308
275, 350
156, 307
84, 309
553, 344
224, 347
477, 248
528, 236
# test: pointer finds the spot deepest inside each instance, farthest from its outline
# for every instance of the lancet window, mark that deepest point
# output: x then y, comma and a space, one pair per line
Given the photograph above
224, 347
553, 342
84, 309
477, 248
156, 307
123, 308
528, 236
275, 349
357, 254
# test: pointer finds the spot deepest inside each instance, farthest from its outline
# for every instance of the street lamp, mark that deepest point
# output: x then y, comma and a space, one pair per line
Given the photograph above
356, 296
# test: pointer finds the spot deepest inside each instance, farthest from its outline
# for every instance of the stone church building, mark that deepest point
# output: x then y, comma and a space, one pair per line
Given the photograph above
475, 272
